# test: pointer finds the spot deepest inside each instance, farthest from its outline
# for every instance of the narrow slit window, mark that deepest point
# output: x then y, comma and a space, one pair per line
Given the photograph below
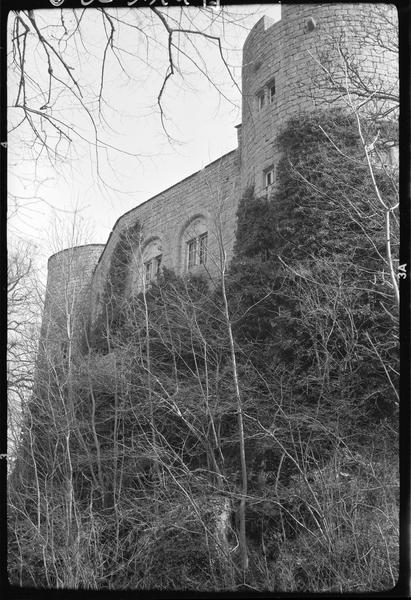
261, 99
269, 177
271, 91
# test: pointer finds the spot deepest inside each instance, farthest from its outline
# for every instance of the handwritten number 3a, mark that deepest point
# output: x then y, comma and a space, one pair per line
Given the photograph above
402, 271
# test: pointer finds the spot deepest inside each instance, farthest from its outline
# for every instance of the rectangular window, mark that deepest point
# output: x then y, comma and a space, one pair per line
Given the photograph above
197, 251
269, 177
261, 99
202, 251
152, 268
191, 253
271, 91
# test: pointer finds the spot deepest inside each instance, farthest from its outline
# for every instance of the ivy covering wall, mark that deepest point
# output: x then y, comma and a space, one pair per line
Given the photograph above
136, 450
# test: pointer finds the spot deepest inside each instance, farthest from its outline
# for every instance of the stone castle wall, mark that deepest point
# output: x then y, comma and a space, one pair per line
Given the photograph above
67, 301
286, 54
210, 196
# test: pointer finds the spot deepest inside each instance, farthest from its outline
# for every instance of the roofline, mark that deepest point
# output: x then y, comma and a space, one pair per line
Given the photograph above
156, 196
75, 248
174, 185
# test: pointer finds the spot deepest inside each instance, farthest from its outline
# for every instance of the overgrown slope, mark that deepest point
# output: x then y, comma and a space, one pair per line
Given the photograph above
133, 475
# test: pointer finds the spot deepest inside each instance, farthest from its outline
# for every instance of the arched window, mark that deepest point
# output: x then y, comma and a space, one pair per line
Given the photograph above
195, 243
146, 265
152, 258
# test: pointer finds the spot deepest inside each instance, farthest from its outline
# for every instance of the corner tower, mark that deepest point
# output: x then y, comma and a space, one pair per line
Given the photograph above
67, 302
283, 72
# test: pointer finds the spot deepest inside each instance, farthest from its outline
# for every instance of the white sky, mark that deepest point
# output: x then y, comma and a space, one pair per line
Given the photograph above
200, 119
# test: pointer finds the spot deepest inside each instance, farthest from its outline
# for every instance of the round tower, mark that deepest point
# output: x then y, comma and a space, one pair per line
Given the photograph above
300, 63
66, 307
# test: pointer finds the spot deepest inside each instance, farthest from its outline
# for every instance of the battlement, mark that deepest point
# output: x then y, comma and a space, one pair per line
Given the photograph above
285, 72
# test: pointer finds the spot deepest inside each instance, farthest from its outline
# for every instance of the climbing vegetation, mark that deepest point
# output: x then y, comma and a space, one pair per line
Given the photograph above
130, 473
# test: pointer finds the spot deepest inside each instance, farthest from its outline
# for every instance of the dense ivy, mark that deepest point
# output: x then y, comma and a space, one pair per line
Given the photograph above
324, 194
112, 298
307, 277
310, 309
255, 226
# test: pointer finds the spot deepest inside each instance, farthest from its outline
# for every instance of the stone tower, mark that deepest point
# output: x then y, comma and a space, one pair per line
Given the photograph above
66, 306
289, 67
283, 72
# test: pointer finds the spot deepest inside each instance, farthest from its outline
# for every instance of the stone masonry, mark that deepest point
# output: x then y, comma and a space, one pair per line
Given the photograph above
67, 301
283, 74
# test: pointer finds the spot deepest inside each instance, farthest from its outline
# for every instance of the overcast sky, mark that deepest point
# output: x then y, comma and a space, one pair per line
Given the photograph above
201, 112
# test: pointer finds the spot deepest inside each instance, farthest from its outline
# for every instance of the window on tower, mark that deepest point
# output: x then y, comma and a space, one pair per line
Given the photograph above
266, 95
261, 99
268, 177
271, 91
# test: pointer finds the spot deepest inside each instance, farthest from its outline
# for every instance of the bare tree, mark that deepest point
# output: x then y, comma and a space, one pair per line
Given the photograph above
24, 308
49, 77
161, 402
341, 76
372, 97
